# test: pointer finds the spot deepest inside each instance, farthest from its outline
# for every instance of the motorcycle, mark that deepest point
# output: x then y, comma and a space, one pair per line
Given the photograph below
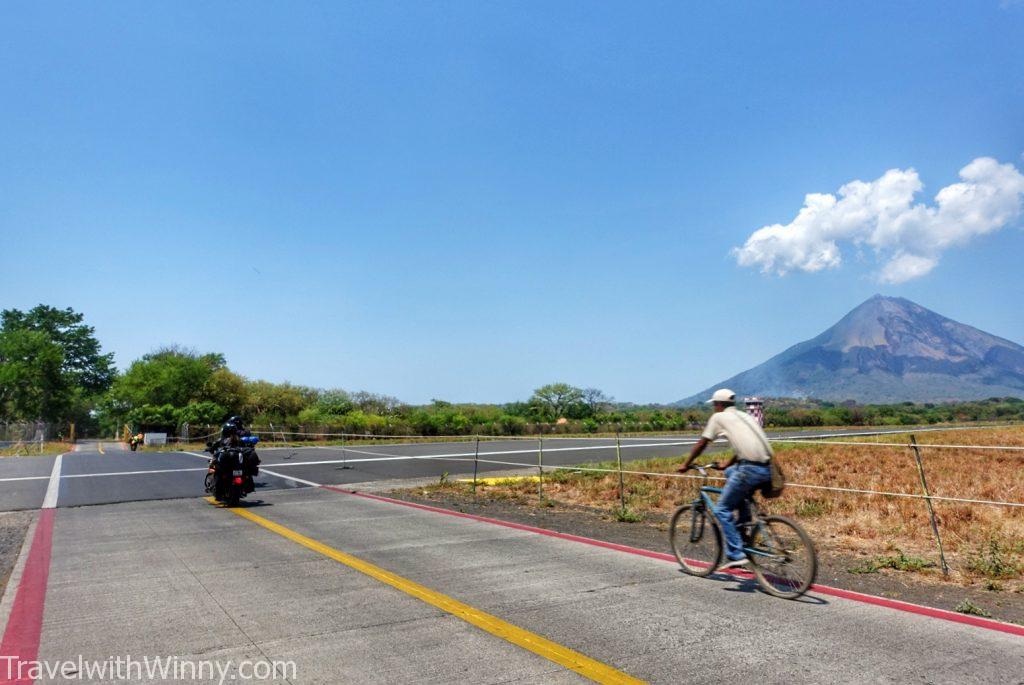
134, 441
230, 474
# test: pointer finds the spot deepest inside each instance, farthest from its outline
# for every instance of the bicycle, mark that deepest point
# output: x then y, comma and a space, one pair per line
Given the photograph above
781, 553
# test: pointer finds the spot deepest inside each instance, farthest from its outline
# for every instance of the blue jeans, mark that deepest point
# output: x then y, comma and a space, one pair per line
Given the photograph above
742, 480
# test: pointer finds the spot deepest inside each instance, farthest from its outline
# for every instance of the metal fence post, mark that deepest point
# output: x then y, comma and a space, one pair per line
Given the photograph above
476, 462
618, 461
540, 467
928, 501
344, 458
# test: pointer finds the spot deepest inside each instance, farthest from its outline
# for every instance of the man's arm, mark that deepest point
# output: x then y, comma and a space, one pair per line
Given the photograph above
723, 465
697, 450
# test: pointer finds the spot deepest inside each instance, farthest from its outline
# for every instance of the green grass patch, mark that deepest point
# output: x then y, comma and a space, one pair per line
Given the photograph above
969, 607
992, 561
627, 515
897, 562
812, 508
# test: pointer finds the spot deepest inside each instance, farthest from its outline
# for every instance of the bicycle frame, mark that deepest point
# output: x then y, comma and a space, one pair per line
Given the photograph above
704, 503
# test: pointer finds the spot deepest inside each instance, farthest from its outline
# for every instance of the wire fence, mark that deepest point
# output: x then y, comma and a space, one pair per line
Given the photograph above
537, 456
300, 436
26, 437
477, 458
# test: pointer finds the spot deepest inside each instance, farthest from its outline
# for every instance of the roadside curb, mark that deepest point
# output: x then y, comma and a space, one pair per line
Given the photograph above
14, 581
23, 633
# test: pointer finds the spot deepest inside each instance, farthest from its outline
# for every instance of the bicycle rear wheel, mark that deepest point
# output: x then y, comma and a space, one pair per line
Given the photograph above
783, 557
696, 539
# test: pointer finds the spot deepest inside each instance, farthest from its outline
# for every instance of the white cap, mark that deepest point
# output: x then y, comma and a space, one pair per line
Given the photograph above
723, 395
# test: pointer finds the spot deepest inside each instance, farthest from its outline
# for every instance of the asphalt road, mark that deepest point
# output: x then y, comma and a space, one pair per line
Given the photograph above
107, 472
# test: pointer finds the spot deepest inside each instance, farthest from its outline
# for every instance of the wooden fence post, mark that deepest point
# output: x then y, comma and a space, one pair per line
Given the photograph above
540, 467
928, 501
622, 485
476, 462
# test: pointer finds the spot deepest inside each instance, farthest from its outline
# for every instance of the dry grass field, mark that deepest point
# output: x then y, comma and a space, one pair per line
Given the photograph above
983, 543
29, 449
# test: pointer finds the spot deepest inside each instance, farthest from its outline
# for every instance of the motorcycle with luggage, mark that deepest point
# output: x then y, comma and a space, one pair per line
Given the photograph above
233, 467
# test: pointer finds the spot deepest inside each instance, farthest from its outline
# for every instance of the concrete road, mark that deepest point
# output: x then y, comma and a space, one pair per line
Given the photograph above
100, 472
352, 589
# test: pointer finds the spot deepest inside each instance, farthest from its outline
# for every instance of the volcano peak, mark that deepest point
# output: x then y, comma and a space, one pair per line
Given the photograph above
889, 349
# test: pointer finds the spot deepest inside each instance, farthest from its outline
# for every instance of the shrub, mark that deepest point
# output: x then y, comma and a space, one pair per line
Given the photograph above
991, 561
969, 607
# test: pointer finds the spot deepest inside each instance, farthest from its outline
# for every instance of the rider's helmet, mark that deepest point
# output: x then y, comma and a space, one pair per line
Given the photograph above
228, 430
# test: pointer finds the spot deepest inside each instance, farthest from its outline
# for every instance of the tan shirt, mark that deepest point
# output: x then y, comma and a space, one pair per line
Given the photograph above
743, 433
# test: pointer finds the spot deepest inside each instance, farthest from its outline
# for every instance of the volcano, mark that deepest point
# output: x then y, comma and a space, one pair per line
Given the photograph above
886, 350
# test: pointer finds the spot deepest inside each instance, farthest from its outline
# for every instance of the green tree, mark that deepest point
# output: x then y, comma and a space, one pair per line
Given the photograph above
159, 387
171, 375
334, 403
276, 402
225, 388
83, 363
371, 403
152, 416
203, 413
32, 385
557, 400
329, 408
597, 402
51, 365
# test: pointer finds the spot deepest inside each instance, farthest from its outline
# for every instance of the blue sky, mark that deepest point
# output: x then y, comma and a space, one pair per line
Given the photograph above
468, 200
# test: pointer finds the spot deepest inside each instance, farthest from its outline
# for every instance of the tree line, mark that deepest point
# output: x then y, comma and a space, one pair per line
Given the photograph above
53, 369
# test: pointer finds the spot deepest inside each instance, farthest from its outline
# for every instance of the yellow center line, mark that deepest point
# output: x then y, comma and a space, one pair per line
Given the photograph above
573, 660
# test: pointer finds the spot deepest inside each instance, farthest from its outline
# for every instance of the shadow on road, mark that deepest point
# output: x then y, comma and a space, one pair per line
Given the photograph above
749, 584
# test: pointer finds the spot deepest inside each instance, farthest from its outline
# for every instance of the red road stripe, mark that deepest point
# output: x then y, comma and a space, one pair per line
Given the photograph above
896, 604
25, 625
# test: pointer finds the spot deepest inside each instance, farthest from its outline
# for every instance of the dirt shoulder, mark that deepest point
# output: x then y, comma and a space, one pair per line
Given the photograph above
652, 534
13, 526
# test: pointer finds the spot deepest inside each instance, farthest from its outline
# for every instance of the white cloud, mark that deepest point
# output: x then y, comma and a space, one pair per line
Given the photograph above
908, 239
905, 267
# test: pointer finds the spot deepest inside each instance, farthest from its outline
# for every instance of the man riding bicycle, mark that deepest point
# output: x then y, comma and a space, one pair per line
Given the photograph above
745, 473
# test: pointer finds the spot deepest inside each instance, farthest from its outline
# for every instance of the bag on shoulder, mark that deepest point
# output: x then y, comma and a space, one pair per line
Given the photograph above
777, 485
774, 489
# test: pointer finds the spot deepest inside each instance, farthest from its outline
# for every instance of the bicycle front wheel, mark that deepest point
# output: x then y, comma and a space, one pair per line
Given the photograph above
783, 557
696, 540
